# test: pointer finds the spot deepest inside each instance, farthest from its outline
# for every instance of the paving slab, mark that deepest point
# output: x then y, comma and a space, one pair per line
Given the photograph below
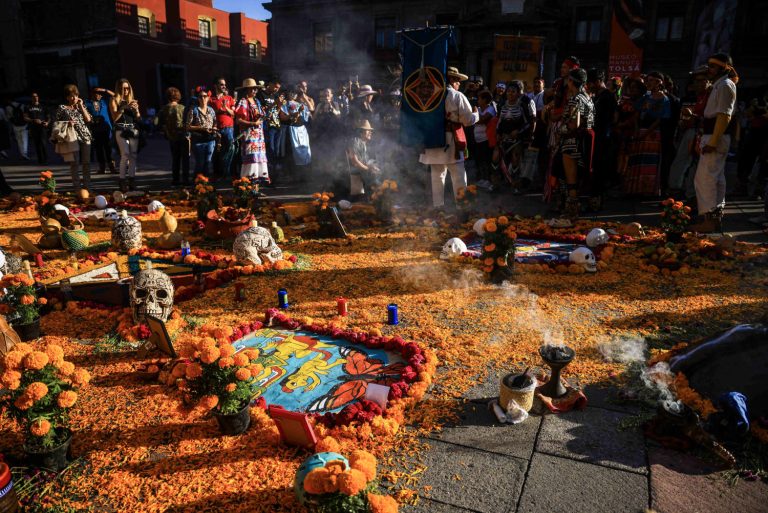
593, 435
487, 386
682, 482
602, 396
478, 428
430, 506
558, 485
471, 479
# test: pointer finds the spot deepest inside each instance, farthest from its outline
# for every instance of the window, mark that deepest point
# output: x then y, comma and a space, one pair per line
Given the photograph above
323, 39
669, 28
204, 28
254, 50
143, 25
386, 32
589, 24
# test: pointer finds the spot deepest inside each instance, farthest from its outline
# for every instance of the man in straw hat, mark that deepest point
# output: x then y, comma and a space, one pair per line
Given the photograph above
450, 158
362, 169
710, 172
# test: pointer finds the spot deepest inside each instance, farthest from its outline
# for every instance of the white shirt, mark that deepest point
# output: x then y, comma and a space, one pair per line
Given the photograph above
722, 99
458, 110
481, 131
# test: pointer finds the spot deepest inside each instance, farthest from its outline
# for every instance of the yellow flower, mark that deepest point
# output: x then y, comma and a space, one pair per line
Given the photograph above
243, 374
209, 402
241, 360
37, 390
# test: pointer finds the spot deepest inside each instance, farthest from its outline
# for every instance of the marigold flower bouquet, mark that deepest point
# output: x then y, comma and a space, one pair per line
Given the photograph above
674, 218
322, 200
19, 302
43, 391
246, 190
383, 199
343, 485
48, 181
498, 247
205, 194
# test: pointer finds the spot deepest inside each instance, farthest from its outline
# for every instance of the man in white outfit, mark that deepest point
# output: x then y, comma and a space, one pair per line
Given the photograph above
710, 172
458, 113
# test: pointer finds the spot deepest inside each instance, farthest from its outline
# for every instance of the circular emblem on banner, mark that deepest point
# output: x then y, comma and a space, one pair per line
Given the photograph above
424, 89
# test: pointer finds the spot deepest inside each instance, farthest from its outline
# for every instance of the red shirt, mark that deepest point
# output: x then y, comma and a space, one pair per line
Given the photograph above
223, 118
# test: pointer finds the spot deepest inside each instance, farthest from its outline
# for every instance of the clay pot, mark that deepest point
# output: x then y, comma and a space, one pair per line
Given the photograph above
216, 228
55, 459
83, 194
50, 226
50, 241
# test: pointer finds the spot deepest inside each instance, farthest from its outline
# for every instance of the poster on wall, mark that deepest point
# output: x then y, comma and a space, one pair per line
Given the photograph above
517, 58
625, 56
714, 30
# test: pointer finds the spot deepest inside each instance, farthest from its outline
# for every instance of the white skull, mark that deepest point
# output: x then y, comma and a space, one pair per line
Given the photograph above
585, 257
61, 208
479, 227
597, 237
118, 196
126, 233
255, 245
111, 214
100, 201
154, 206
344, 204
151, 294
453, 248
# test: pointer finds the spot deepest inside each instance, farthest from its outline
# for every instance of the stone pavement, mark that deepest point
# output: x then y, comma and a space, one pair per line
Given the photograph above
582, 461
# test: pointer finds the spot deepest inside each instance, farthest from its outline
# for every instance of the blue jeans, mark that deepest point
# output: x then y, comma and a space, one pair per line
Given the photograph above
226, 152
203, 155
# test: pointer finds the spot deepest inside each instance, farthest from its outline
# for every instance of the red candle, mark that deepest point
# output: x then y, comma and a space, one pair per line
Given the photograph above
39, 259
341, 305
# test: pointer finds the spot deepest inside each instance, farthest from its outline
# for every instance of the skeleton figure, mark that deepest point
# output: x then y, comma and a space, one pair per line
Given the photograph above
255, 245
584, 257
453, 248
126, 233
151, 294
597, 237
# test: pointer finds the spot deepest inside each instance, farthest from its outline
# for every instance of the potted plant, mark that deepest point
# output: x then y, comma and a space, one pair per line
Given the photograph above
220, 380
383, 199
19, 302
227, 222
205, 195
498, 246
674, 219
43, 389
246, 191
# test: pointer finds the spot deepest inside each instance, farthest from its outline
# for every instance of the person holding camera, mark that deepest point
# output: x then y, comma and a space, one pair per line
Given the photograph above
75, 113
201, 124
125, 113
101, 128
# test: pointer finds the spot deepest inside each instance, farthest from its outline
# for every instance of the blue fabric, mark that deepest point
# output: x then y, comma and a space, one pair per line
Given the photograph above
203, 156
103, 112
422, 119
734, 405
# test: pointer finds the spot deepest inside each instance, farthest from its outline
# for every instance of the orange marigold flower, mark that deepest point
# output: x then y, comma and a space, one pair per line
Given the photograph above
209, 402
209, 354
361, 455
503, 221
27, 299
13, 360
490, 247
35, 360
67, 399
23, 348
382, 503
37, 390
490, 227
256, 369
226, 362
179, 371
243, 374
42, 301
367, 467
352, 482
336, 466
66, 368
81, 377
488, 261
241, 360
501, 262
23, 402
228, 350
328, 444
231, 387
315, 482
10, 378
193, 371
251, 353
55, 354
40, 427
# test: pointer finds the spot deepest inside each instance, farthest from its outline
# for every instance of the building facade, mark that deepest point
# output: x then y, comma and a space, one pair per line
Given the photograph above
329, 40
153, 43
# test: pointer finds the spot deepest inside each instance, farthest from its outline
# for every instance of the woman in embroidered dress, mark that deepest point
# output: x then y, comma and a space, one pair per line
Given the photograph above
249, 116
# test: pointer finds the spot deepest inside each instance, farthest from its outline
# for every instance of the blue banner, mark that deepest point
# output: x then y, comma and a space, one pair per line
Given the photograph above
422, 118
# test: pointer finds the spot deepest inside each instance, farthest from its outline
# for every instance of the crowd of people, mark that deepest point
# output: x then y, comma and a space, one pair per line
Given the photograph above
583, 136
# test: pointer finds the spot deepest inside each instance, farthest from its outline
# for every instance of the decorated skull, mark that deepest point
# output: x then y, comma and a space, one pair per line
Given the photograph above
597, 237
453, 248
151, 294
154, 206
255, 245
111, 214
479, 227
584, 257
2, 263
126, 233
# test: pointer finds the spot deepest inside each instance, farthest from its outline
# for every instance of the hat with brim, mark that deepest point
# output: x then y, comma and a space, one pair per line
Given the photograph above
364, 125
701, 70
453, 71
366, 90
249, 83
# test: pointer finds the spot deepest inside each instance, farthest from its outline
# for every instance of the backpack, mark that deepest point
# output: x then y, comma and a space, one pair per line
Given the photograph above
17, 117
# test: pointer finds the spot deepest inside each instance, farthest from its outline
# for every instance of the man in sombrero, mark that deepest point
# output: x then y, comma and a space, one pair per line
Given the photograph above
450, 158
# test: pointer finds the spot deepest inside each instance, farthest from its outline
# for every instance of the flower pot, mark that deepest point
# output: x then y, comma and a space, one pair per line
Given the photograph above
29, 331
216, 228
234, 424
9, 502
674, 237
55, 459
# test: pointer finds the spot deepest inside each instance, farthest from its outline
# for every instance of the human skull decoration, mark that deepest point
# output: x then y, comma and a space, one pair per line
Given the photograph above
453, 248
100, 202
151, 294
597, 237
255, 245
479, 227
154, 206
111, 214
584, 257
126, 233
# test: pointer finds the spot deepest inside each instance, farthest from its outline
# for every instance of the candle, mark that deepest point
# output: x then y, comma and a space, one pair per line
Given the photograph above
39, 259
282, 298
239, 294
341, 305
392, 317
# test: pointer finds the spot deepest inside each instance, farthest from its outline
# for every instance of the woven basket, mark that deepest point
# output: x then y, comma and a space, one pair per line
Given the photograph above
74, 239
522, 396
